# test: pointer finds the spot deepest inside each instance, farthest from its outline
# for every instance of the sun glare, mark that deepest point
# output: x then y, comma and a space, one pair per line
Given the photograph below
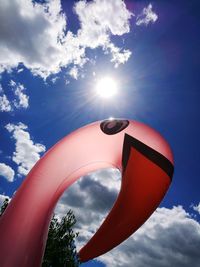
106, 87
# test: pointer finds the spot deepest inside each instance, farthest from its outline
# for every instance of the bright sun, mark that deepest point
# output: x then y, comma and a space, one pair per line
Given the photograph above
106, 87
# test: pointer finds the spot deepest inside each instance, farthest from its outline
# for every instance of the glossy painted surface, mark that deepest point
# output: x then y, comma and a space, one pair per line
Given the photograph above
24, 225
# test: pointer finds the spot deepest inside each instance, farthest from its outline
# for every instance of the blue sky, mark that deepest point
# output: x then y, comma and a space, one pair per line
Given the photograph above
52, 56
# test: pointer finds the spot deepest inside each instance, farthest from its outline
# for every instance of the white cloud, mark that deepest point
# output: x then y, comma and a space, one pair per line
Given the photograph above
54, 80
23, 99
38, 46
7, 172
5, 104
171, 237
74, 72
119, 56
44, 46
147, 16
20, 70
27, 153
197, 208
67, 82
90, 199
101, 19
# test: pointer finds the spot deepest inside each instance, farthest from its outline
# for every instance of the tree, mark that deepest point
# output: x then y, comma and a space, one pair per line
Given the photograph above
4, 206
60, 248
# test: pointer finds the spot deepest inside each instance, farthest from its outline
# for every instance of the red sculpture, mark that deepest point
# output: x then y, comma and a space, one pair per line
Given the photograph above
139, 152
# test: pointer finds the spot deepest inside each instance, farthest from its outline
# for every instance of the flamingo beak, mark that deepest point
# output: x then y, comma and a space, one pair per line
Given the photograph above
146, 177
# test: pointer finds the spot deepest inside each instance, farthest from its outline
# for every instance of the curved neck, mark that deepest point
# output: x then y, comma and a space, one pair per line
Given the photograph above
24, 226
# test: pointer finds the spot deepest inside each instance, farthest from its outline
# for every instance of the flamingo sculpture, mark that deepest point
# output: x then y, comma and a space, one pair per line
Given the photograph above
139, 152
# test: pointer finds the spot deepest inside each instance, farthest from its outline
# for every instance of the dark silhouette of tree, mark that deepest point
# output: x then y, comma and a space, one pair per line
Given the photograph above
4, 206
60, 248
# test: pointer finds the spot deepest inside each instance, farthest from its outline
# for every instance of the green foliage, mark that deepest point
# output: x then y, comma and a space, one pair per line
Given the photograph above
60, 248
4, 206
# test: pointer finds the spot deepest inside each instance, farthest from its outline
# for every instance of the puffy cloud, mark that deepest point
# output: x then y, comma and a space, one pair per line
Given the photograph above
74, 72
22, 101
31, 33
100, 19
7, 172
197, 208
119, 56
54, 80
90, 199
27, 153
35, 34
5, 104
147, 16
171, 237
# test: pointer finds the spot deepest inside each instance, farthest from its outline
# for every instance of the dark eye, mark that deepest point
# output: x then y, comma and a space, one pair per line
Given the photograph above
113, 126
